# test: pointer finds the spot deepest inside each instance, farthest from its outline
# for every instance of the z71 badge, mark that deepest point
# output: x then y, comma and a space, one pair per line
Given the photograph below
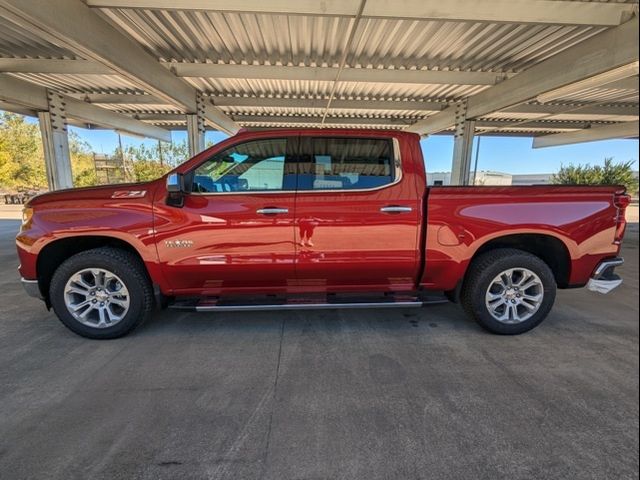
178, 243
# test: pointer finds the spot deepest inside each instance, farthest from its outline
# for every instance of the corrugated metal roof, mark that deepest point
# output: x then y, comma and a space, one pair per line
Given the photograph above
321, 89
604, 94
200, 36
16, 42
305, 40
80, 83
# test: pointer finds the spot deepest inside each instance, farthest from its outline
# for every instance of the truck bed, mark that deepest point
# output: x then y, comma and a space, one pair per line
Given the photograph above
463, 220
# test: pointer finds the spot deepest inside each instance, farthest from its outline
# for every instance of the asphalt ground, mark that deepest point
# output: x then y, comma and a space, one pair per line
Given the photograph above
369, 394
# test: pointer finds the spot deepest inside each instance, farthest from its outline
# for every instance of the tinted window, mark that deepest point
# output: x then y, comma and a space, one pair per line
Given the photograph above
259, 165
346, 163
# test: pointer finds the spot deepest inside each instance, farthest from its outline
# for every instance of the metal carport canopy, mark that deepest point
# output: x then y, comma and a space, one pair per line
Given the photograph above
512, 67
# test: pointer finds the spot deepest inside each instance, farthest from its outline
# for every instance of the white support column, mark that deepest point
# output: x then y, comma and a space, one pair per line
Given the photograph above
462, 146
53, 127
196, 127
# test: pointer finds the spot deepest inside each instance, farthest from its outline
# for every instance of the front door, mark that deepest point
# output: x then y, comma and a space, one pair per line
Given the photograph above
357, 217
235, 232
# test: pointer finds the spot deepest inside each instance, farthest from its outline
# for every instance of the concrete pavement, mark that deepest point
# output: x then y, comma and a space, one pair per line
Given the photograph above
407, 394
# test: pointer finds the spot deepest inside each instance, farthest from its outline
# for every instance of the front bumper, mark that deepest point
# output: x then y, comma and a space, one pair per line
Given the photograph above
604, 278
32, 288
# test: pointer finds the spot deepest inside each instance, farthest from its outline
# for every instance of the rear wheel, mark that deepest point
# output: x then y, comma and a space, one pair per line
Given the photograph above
509, 291
101, 293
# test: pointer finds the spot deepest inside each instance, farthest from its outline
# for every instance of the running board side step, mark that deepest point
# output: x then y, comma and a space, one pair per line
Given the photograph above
302, 306
240, 303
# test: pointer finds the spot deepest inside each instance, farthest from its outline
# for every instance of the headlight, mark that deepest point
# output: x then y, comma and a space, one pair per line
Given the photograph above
27, 214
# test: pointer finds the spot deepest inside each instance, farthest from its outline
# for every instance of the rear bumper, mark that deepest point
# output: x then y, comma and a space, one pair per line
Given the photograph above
32, 288
604, 278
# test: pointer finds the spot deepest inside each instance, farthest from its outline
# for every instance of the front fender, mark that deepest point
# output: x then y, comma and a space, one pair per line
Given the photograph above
128, 221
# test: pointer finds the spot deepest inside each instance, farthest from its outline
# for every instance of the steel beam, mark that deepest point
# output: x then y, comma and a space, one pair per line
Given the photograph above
196, 128
623, 110
630, 83
274, 72
337, 103
612, 110
607, 132
557, 109
34, 97
328, 74
384, 122
71, 23
55, 142
298, 119
605, 51
15, 108
462, 146
54, 66
116, 121
509, 11
462, 150
122, 98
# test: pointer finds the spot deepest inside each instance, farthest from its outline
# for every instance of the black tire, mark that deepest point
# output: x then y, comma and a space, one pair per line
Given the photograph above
128, 267
481, 273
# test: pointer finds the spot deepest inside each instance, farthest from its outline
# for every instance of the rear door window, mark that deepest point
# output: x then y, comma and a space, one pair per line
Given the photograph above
330, 163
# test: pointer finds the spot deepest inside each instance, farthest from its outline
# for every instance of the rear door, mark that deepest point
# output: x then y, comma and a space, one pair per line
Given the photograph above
234, 233
357, 215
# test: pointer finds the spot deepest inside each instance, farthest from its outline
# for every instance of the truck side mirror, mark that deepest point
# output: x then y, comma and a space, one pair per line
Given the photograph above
175, 183
175, 189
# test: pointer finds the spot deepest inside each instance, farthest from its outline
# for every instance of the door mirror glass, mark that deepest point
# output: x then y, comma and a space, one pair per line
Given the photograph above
175, 183
175, 190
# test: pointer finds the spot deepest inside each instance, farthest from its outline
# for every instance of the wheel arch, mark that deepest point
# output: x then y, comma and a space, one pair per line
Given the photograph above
57, 251
550, 249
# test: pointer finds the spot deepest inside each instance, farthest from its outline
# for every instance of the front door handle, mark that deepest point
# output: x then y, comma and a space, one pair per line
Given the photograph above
396, 209
272, 211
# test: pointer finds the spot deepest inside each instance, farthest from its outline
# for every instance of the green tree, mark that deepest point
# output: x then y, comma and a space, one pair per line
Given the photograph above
82, 164
608, 174
166, 154
21, 158
22, 164
146, 170
150, 162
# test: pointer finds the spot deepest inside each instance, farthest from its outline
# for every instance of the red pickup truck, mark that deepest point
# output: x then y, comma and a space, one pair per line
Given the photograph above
322, 218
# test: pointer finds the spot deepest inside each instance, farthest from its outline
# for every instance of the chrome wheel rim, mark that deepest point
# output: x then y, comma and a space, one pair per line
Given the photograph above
514, 296
96, 297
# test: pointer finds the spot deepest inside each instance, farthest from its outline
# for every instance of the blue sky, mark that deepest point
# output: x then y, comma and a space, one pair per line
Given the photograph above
504, 154
515, 155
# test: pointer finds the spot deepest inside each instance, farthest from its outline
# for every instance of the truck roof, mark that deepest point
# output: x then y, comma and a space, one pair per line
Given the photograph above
365, 132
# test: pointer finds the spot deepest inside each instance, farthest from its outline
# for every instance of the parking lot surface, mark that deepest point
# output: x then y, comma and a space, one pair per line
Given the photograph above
370, 394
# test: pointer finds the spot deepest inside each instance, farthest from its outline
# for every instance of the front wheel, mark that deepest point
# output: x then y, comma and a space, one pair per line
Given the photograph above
101, 293
508, 291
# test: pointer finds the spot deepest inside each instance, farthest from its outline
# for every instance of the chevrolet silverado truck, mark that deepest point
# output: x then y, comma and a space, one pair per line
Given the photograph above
323, 218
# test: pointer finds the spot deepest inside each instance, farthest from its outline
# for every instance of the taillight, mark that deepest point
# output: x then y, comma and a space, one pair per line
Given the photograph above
621, 201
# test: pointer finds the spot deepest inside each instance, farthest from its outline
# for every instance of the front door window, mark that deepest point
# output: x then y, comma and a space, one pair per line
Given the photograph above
255, 166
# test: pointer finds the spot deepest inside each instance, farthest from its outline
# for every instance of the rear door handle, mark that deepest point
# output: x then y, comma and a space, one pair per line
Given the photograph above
396, 209
272, 211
